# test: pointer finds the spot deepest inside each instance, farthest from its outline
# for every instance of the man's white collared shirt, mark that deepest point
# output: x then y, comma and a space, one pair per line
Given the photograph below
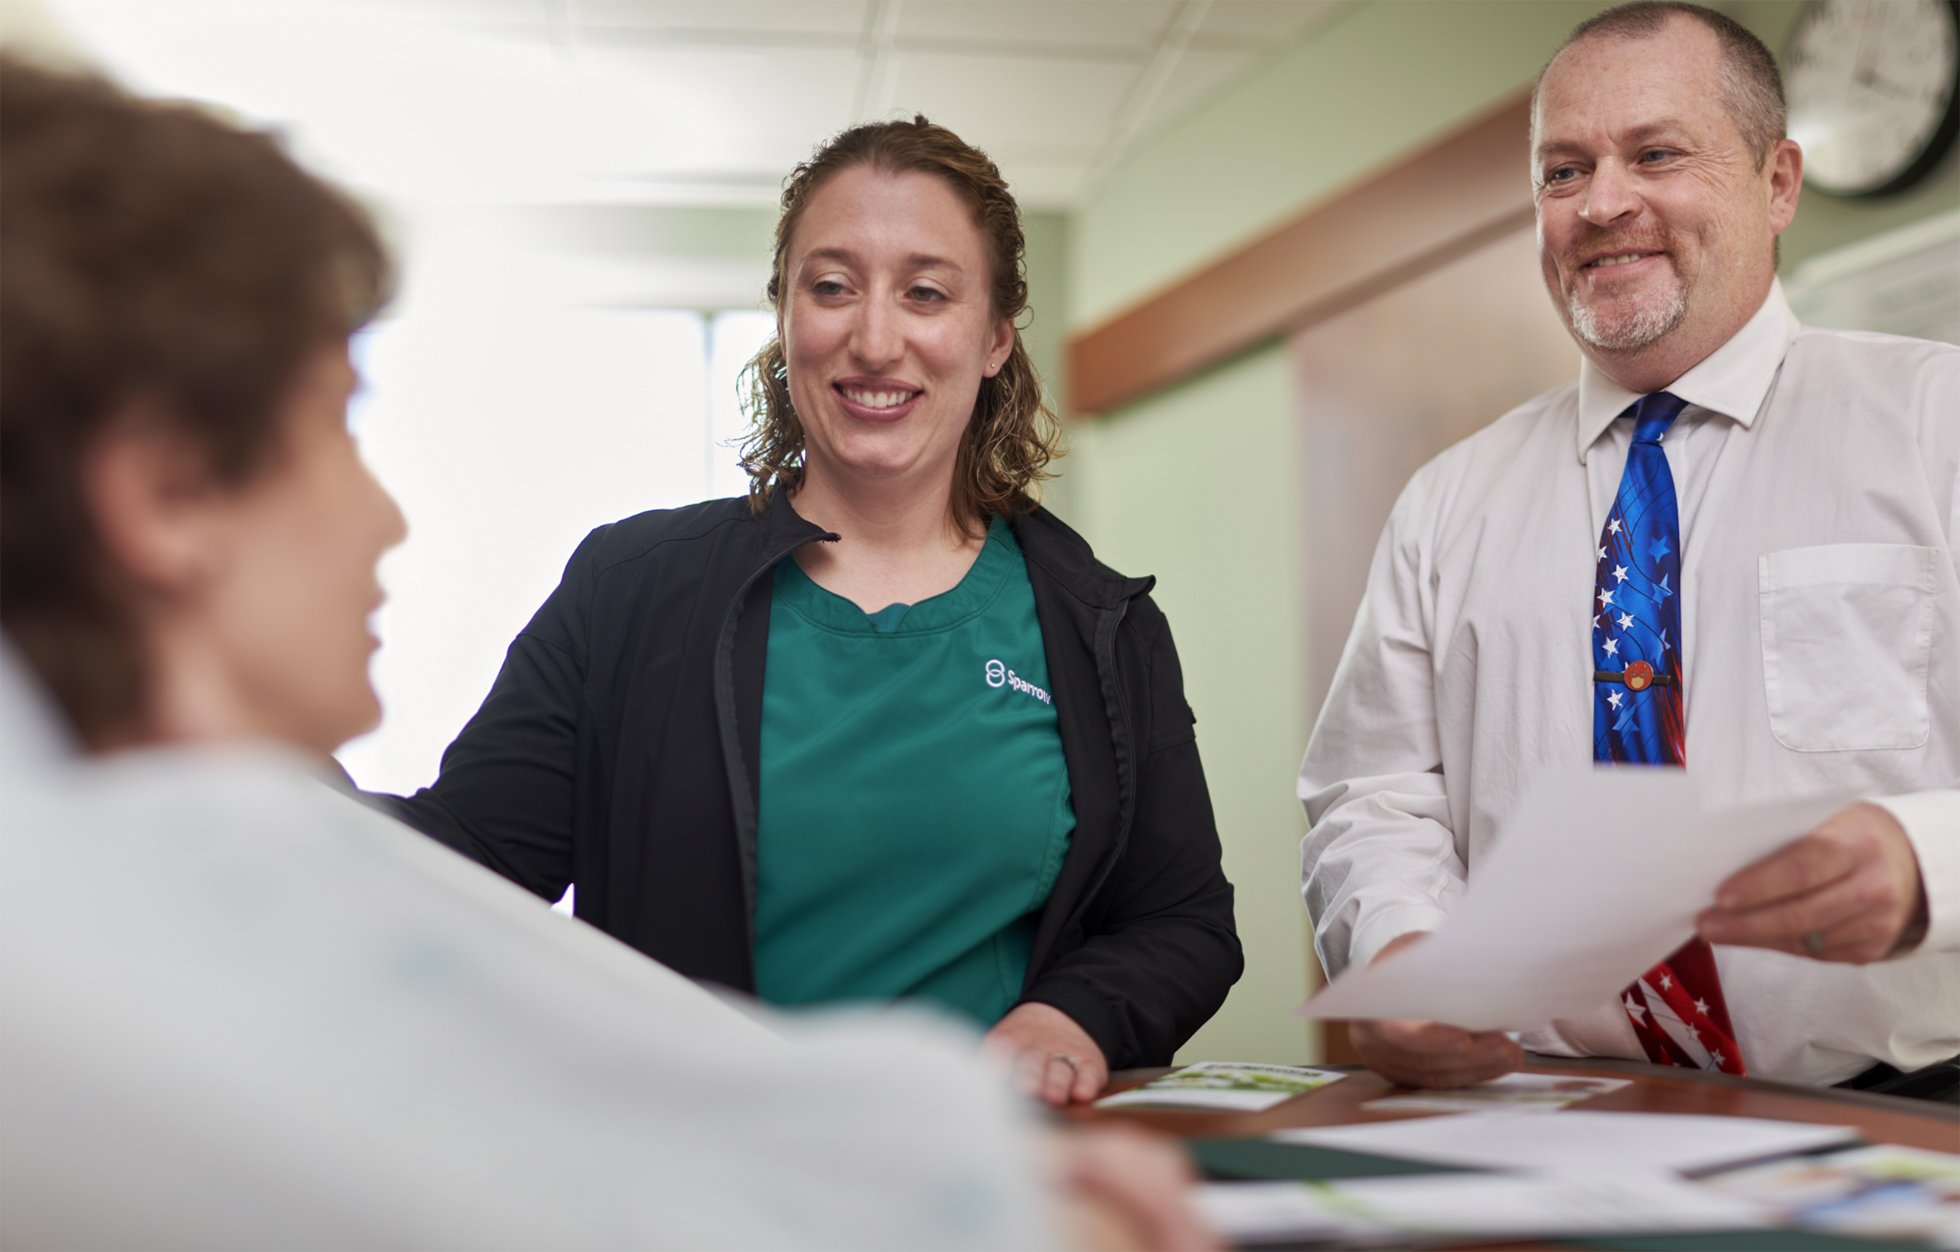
1818, 478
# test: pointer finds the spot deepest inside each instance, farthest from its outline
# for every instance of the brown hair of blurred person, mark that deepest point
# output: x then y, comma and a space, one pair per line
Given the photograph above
159, 266
1013, 434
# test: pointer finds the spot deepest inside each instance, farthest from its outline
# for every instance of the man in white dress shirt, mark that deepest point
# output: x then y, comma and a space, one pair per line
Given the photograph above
1817, 475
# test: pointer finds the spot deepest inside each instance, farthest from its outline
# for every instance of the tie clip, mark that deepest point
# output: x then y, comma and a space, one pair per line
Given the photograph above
1638, 676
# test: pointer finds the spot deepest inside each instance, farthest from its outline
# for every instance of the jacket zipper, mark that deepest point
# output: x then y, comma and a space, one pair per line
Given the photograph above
1120, 731
741, 797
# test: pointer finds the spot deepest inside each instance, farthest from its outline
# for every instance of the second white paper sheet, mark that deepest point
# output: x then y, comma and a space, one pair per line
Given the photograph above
1575, 1141
1598, 875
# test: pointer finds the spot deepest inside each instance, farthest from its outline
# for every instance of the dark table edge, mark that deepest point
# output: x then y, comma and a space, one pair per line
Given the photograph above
1835, 1095
1863, 1099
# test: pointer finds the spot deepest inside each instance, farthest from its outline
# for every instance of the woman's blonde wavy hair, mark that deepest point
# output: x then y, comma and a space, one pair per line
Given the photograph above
1013, 435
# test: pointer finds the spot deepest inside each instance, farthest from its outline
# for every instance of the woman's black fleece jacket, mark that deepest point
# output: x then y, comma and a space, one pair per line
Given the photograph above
619, 749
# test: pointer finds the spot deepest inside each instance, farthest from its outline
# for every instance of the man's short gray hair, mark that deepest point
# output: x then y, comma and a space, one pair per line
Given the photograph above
1752, 88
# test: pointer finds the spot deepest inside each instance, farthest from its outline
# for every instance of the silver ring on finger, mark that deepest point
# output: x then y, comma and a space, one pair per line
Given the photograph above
1069, 1061
1813, 942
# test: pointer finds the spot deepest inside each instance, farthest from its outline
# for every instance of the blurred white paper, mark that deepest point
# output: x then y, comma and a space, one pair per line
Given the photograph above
1883, 1192
1538, 1092
1460, 1206
1599, 875
1573, 1141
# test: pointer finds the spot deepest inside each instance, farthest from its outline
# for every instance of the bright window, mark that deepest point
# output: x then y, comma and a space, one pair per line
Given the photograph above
507, 433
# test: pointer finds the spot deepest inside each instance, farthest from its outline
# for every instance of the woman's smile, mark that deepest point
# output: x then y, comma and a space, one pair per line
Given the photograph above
878, 400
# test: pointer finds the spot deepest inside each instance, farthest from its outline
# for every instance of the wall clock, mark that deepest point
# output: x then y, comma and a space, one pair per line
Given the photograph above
1874, 91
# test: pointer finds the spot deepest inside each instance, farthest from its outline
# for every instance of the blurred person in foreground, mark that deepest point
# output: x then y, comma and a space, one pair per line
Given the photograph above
1730, 546
884, 729
239, 1008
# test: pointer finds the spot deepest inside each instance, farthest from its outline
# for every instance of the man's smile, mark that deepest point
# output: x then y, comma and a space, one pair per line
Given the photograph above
1618, 258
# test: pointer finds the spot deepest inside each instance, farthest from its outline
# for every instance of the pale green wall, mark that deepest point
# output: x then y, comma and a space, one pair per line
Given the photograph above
1188, 491
1826, 222
1047, 319
1197, 484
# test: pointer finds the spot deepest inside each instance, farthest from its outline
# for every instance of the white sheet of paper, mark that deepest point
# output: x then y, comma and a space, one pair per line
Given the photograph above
1598, 875
1539, 1092
1480, 1206
1575, 1141
1244, 1087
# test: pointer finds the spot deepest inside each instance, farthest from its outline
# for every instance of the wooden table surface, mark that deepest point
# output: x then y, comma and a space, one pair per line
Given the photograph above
1654, 1089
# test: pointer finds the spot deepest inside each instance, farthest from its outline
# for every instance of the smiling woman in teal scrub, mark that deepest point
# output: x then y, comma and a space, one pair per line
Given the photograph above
885, 728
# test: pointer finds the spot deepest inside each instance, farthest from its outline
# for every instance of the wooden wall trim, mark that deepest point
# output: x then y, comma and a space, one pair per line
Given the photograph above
1330, 258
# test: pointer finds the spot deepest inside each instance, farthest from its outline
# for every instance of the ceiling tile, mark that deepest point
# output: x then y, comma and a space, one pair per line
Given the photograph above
1022, 101
1272, 23
672, 110
1130, 27
831, 17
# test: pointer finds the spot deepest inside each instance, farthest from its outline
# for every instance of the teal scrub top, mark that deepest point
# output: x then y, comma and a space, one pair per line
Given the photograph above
914, 798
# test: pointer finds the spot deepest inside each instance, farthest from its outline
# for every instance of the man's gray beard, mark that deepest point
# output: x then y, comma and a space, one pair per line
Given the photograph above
1643, 328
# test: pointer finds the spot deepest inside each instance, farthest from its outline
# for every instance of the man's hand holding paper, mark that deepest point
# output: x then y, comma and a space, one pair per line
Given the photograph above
1848, 891
1431, 1054
1599, 875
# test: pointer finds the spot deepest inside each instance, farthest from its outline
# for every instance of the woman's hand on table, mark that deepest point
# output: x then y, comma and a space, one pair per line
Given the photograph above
1052, 1057
1430, 1054
1123, 1187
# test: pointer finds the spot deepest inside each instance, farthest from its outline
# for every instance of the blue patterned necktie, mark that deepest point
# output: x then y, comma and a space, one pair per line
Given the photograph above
1637, 604
1677, 1008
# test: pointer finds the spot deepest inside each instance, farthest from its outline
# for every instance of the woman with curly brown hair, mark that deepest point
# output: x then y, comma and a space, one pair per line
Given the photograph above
885, 729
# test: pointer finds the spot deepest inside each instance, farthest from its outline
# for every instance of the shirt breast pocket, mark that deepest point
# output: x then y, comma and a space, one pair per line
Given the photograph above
1847, 640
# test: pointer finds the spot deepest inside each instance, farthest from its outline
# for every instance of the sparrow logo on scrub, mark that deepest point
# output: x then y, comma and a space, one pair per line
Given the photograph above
999, 675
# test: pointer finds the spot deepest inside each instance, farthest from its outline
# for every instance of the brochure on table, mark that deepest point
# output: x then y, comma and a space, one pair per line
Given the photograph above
1224, 1085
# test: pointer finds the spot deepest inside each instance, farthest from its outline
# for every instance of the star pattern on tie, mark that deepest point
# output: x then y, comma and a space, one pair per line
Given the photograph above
1676, 1009
1637, 617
